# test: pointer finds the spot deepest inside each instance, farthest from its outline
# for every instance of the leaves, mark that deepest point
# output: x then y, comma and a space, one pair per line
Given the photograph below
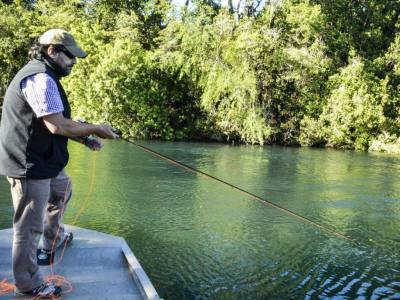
294, 72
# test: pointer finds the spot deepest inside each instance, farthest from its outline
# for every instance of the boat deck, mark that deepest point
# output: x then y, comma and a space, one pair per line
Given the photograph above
99, 266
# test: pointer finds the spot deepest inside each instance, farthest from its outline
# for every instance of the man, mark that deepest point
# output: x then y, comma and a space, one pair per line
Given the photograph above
35, 127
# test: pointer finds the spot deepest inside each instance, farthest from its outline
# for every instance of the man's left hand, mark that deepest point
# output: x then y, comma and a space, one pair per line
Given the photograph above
93, 143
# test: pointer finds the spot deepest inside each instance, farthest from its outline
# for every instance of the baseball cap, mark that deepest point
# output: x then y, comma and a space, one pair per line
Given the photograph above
62, 37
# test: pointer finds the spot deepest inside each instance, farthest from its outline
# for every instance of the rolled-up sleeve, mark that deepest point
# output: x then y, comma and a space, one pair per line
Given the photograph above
41, 93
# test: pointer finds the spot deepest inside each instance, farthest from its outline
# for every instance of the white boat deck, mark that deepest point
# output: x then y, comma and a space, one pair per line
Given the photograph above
99, 266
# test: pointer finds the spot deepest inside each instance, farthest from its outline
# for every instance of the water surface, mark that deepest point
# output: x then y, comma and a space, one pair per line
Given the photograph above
198, 239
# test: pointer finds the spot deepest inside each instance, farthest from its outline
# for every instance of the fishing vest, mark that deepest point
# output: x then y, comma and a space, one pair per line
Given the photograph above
27, 148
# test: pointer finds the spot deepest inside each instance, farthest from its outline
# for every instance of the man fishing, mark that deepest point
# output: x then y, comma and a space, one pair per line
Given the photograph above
34, 130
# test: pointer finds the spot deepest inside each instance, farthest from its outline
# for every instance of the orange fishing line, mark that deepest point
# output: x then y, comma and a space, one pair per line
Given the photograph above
90, 190
6, 287
58, 279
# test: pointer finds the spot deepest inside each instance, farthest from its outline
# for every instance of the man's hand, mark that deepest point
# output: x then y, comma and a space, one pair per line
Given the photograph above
105, 131
93, 143
57, 124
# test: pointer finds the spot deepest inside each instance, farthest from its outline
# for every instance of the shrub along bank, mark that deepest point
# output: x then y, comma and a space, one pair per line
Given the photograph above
311, 73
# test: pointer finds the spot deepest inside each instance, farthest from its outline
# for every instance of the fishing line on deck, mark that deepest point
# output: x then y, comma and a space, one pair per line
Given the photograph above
6, 287
253, 196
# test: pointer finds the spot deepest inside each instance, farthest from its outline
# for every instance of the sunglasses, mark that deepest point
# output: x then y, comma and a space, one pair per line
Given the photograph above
65, 51
68, 54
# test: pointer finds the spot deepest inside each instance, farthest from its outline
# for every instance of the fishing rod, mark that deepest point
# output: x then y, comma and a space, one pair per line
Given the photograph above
254, 196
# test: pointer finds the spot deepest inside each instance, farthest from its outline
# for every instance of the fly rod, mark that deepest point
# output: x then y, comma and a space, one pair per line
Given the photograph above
253, 196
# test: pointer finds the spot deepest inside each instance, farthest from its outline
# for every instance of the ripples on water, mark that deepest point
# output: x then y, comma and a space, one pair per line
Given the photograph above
197, 239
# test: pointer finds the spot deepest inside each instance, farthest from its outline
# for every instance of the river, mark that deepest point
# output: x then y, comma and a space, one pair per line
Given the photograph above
199, 239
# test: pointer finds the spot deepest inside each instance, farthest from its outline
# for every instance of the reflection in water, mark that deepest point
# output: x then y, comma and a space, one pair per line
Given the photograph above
198, 239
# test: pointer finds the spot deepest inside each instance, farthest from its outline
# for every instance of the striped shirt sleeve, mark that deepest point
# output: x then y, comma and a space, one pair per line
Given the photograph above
41, 93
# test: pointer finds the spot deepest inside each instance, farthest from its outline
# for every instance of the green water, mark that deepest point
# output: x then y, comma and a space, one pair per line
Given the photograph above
198, 239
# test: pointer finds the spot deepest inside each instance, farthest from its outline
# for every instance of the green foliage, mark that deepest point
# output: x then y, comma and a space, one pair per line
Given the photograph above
367, 27
15, 39
255, 81
296, 72
354, 111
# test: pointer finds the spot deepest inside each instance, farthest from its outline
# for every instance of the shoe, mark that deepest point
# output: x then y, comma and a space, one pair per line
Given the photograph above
45, 257
45, 290
68, 237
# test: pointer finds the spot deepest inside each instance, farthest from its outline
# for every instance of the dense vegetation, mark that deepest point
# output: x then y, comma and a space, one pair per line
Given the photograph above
291, 72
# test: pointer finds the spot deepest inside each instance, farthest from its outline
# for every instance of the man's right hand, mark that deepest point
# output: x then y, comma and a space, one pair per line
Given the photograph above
105, 131
57, 124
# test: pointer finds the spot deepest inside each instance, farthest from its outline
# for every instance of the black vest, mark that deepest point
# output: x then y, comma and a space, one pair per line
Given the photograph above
27, 148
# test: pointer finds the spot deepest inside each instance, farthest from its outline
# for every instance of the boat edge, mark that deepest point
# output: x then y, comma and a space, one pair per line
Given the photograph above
147, 289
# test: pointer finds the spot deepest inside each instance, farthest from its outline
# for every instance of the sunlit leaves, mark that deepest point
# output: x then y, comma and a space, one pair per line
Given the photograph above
309, 72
